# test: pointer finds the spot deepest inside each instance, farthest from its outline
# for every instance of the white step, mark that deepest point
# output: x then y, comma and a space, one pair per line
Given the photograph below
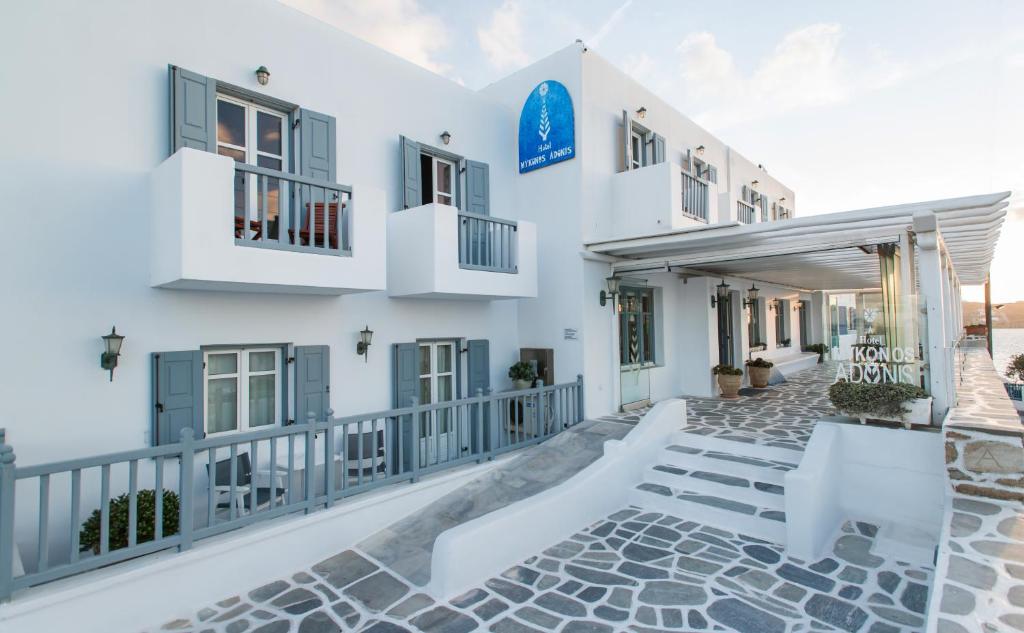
713, 443
748, 467
753, 490
906, 542
763, 523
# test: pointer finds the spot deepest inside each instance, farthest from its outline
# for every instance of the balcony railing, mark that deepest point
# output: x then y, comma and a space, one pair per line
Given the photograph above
226, 482
695, 197
744, 212
285, 211
487, 243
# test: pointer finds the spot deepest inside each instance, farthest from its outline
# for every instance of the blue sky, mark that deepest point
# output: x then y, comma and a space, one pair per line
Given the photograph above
851, 104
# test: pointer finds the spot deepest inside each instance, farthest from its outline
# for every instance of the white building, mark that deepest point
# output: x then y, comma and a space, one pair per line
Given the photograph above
242, 234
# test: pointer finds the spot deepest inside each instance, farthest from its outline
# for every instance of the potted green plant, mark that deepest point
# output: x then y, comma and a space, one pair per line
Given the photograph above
729, 380
759, 370
1015, 368
894, 402
819, 349
522, 375
89, 535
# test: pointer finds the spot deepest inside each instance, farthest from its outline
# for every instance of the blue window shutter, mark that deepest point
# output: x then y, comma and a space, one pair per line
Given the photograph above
478, 187
627, 141
412, 193
478, 370
178, 395
659, 149
319, 146
405, 385
312, 381
193, 111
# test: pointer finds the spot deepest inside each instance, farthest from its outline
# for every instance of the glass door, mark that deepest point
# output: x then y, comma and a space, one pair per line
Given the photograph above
437, 384
724, 307
636, 343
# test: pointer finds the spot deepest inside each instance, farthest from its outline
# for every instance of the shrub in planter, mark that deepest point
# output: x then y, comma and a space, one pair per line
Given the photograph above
874, 400
817, 348
1015, 368
89, 536
729, 380
759, 370
522, 375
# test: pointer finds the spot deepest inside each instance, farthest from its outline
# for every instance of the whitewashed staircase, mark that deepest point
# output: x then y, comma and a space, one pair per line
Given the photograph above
724, 483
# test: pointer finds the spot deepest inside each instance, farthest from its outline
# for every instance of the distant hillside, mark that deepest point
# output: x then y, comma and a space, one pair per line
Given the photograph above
1011, 315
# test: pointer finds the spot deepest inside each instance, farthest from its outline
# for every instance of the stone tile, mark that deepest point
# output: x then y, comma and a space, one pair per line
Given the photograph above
744, 618
971, 573
410, 605
562, 604
378, 592
491, 608
838, 613
268, 591
443, 620
539, 618
344, 569
669, 593
318, 622
956, 601
805, 577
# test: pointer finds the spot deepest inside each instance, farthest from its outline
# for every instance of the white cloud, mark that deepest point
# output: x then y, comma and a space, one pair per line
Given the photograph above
502, 39
401, 27
805, 69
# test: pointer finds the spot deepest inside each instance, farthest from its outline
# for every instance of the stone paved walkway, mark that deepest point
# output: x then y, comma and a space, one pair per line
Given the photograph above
634, 571
782, 415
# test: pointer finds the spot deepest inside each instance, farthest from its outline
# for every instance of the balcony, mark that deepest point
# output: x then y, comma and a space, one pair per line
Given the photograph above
744, 212
659, 198
222, 225
436, 251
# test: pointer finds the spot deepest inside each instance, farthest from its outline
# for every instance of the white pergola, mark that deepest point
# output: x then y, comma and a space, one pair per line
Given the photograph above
944, 244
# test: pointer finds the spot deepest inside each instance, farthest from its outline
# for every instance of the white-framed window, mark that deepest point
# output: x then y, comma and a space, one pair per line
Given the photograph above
241, 389
255, 135
637, 151
438, 182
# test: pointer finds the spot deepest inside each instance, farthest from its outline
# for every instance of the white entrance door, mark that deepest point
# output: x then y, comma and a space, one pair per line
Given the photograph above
437, 384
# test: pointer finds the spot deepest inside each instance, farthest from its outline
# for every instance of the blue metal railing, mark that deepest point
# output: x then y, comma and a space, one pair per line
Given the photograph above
487, 243
1015, 390
695, 197
744, 212
229, 481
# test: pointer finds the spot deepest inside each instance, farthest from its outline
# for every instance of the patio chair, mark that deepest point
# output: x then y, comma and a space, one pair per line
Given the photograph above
318, 225
243, 485
370, 461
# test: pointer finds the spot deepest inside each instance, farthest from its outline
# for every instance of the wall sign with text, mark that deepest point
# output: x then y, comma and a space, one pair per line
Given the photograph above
547, 127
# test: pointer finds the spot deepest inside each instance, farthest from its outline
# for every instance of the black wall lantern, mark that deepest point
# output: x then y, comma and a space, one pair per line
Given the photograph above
613, 290
446, 137
642, 112
363, 346
751, 299
112, 346
721, 294
262, 75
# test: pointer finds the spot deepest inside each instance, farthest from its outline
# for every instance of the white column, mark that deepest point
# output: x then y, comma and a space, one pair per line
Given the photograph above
818, 330
930, 272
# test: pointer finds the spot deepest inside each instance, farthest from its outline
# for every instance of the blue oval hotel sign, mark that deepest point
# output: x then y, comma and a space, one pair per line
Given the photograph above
547, 129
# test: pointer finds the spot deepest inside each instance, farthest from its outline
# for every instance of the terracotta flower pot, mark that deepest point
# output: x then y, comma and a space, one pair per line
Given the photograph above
759, 376
730, 385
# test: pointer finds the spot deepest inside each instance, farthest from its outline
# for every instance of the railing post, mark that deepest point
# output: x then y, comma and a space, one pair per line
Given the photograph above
579, 398
185, 512
329, 459
7, 475
539, 410
414, 402
310, 459
478, 424
493, 424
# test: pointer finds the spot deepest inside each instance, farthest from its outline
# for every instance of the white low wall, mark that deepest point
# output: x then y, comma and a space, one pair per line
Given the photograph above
888, 476
134, 595
467, 555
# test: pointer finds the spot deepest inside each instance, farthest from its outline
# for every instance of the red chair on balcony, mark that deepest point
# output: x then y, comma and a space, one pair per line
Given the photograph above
318, 225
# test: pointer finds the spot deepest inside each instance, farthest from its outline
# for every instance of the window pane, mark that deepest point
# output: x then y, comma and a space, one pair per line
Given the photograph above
222, 364
444, 358
230, 123
273, 194
222, 404
444, 388
425, 391
444, 177
424, 360
237, 154
262, 361
262, 399
648, 342
268, 133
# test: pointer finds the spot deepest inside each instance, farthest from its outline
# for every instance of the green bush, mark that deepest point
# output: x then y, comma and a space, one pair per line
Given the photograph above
817, 348
522, 371
1015, 369
760, 362
884, 400
89, 537
726, 370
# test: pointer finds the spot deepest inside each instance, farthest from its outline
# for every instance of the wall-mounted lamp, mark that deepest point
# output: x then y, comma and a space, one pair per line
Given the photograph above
700, 150
446, 137
782, 199
776, 304
613, 290
363, 346
754, 184
751, 299
642, 112
799, 303
721, 294
263, 75
112, 346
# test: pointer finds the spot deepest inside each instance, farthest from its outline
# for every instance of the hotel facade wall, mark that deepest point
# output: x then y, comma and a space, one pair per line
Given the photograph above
79, 178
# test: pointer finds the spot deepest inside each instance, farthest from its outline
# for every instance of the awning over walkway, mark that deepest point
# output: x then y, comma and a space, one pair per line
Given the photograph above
834, 251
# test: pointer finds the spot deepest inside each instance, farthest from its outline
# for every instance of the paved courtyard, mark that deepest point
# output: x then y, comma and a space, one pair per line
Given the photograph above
635, 571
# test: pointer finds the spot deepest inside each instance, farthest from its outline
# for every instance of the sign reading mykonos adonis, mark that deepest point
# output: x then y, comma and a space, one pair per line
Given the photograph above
547, 128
